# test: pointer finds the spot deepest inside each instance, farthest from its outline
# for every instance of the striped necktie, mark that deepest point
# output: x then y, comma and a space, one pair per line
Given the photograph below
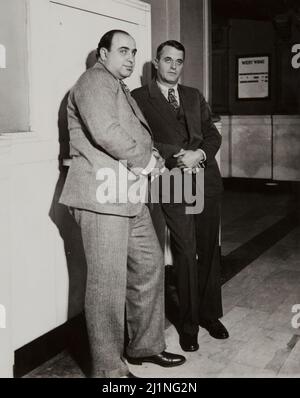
172, 99
125, 88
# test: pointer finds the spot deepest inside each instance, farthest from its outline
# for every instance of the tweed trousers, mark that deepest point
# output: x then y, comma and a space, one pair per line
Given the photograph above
125, 270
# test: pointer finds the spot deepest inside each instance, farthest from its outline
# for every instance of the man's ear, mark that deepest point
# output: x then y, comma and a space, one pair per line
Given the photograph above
103, 53
155, 63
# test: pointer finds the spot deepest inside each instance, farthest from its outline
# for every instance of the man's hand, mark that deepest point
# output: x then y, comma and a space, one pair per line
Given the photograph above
160, 162
187, 159
195, 170
159, 166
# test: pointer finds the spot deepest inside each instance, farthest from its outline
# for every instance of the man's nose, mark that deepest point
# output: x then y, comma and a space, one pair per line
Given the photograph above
173, 65
131, 58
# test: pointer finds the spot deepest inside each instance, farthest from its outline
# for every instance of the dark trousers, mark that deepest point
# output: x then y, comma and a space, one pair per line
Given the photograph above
209, 262
196, 284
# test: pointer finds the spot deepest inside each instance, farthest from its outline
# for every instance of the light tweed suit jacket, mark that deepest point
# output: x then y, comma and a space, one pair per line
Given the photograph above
106, 126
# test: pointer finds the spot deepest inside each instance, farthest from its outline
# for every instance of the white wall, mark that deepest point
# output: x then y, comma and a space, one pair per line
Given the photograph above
40, 267
6, 357
14, 111
274, 154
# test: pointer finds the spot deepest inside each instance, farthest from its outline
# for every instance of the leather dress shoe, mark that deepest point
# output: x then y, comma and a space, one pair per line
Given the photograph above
215, 328
165, 359
188, 342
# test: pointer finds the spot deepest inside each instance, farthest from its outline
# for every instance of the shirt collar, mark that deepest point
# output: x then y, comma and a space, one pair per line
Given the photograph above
165, 90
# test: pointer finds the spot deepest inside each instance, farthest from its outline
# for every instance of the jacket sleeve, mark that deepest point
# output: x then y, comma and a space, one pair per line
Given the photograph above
211, 137
95, 96
167, 151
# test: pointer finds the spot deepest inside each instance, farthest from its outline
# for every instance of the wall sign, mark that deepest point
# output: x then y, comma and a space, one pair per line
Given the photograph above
253, 77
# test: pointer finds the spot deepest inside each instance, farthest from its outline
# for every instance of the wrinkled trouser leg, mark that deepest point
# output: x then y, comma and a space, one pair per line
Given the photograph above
108, 242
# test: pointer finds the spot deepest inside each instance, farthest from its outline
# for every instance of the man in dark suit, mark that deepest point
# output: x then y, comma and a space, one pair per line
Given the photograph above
186, 137
111, 142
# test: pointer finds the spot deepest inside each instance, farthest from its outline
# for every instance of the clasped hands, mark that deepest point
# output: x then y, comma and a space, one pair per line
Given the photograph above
189, 160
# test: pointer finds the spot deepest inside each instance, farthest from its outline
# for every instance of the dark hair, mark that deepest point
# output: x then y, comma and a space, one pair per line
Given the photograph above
107, 39
171, 43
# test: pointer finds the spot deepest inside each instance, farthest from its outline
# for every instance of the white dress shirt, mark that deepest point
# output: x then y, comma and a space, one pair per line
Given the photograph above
165, 91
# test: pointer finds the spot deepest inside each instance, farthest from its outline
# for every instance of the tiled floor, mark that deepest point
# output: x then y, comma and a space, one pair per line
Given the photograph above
257, 301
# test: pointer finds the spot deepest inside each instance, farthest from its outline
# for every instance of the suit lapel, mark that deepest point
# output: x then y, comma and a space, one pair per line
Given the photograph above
136, 110
187, 104
159, 102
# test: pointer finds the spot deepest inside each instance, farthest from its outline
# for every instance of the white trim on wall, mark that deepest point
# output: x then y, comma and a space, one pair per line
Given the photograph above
112, 8
141, 5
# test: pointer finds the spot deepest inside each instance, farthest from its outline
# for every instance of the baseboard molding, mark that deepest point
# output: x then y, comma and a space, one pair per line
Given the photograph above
260, 185
41, 350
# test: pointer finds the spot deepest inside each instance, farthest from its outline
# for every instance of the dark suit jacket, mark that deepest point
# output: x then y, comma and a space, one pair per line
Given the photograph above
167, 130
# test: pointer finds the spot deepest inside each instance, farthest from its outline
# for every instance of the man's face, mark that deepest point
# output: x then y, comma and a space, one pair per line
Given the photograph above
120, 59
169, 66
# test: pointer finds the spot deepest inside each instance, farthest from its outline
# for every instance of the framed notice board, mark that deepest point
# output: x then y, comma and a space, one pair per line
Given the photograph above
253, 77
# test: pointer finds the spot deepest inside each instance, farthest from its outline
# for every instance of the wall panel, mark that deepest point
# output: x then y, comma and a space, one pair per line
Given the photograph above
42, 261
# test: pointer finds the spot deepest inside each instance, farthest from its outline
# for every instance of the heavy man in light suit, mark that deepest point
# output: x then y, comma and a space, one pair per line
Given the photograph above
124, 259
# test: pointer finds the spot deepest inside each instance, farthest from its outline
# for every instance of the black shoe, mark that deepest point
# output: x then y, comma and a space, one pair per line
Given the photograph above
165, 359
215, 328
188, 342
